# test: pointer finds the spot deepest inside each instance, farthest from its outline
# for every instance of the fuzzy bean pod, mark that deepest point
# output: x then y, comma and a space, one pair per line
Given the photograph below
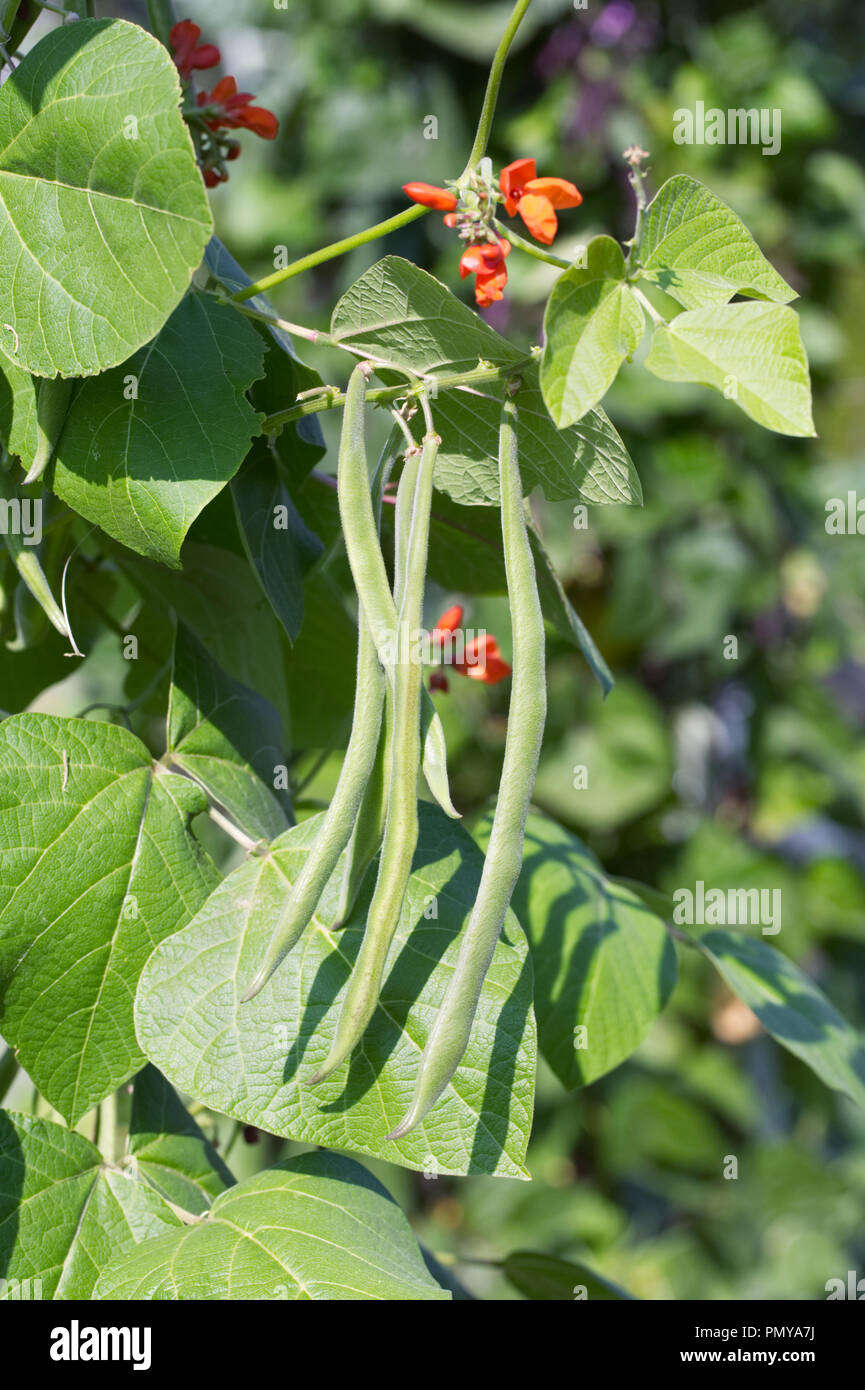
340, 816
401, 826
343, 815
449, 1036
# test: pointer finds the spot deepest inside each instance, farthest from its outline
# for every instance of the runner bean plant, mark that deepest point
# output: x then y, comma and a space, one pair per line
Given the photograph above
182, 934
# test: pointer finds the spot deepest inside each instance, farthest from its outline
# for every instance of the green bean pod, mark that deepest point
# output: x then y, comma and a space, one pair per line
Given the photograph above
449, 1036
367, 835
359, 527
340, 816
344, 814
401, 826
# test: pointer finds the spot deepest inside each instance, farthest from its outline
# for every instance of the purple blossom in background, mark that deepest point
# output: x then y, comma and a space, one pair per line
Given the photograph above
613, 23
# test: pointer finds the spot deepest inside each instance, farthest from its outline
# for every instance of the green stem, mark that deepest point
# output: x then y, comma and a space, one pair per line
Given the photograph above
384, 395
8, 1071
482, 135
328, 253
108, 1127
162, 16
649, 307
516, 240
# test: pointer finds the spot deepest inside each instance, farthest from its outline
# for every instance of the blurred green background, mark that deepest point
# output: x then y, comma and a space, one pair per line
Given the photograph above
745, 772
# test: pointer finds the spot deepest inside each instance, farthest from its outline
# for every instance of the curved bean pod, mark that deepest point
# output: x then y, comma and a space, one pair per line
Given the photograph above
344, 815
340, 816
451, 1029
367, 835
401, 826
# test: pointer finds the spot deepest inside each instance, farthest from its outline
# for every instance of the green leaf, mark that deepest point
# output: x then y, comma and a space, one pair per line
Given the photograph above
554, 1280
791, 1007
592, 322
318, 1226
299, 445
696, 249
168, 1148
227, 738
603, 962
145, 447
88, 830
280, 546
321, 708
587, 460
252, 1061
751, 352
63, 1213
95, 153
32, 411
404, 317
218, 597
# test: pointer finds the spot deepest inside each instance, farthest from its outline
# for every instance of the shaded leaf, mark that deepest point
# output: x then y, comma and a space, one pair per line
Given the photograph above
554, 1280
169, 1149
792, 1008
603, 962
299, 445
145, 447
280, 546
227, 738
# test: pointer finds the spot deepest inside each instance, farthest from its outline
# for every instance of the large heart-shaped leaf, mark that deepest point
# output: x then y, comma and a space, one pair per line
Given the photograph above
592, 322
604, 964
167, 1148
252, 1060
145, 447
318, 1226
753, 353
697, 249
227, 738
64, 1213
408, 320
792, 1008
97, 865
95, 156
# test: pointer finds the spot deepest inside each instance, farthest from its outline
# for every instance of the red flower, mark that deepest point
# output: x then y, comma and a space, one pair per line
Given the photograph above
536, 199
486, 261
482, 660
431, 197
188, 52
232, 111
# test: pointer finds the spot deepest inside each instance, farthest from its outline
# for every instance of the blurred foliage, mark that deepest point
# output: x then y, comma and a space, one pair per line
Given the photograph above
746, 771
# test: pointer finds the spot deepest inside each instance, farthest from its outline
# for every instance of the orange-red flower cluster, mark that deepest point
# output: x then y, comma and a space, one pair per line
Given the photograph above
536, 199
486, 261
471, 211
225, 108
482, 660
229, 108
